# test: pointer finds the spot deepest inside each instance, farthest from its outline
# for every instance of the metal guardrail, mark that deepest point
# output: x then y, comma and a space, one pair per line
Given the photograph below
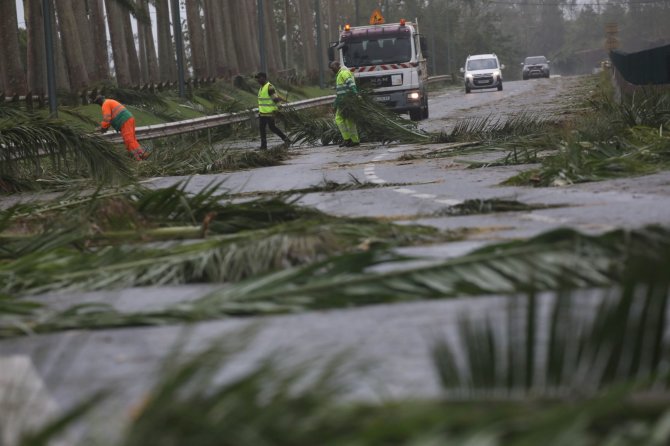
208, 122
440, 78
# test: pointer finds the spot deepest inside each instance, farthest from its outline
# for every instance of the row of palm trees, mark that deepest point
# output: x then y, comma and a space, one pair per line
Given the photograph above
132, 41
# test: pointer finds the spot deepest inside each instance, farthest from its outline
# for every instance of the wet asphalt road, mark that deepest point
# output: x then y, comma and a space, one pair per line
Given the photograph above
393, 341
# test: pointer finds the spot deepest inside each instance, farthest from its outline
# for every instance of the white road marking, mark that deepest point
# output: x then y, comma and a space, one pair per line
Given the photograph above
542, 218
449, 201
425, 196
370, 173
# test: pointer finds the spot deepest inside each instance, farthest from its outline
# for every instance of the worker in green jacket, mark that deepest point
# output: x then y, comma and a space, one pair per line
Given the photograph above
345, 84
268, 98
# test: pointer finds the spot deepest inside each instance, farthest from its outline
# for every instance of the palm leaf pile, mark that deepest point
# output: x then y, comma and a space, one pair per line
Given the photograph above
608, 362
613, 140
140, 237
375, 123
32, 145
177, 157
562, 259
496, 128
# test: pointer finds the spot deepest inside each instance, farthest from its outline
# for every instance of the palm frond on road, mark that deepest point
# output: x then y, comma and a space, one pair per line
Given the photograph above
31, 144
557, 260
564, 346
179, 158
375, 123
494, 127
92, 245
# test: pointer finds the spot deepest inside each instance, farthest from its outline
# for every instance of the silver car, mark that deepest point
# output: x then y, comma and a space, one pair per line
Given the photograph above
482, 71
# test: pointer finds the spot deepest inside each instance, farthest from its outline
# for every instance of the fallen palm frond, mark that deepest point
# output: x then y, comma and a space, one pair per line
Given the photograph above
31, 144
92, 245
280, 404
617, 139
492, 127
477, 206
558, 346
636, 151
198, 158
374, 121
561, 259
325, 186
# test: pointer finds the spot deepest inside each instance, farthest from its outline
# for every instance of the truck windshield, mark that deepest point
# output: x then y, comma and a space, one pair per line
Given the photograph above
359, 53
482, 64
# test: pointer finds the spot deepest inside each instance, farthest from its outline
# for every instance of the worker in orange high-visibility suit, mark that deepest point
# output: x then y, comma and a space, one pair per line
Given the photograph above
115, 115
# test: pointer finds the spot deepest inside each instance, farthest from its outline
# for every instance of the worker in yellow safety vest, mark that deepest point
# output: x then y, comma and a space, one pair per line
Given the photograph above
267, 107
115, 115
344, 84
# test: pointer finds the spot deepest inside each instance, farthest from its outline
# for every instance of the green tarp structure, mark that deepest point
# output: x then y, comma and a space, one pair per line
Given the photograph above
648, 67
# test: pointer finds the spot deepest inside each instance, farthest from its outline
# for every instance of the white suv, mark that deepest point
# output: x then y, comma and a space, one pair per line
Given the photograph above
482, 71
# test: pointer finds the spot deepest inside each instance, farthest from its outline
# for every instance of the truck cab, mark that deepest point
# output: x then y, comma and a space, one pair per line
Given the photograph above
387, 59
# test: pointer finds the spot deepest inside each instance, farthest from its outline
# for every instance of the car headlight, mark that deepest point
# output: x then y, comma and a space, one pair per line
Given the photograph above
413, 96
496, 73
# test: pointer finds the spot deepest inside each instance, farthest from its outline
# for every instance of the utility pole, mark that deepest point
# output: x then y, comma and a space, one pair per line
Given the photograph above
49, 52
179, 43
356, 12
261, 36
319, 45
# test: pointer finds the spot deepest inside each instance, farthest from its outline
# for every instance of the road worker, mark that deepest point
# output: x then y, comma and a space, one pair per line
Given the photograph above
268, 98
344, 84
115, 115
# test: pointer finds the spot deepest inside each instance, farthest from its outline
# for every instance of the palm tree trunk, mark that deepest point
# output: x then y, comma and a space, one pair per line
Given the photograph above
149, 45
62, 78
74, 56
288, 15
166, 52
14, 77
216, 43
133, 59
246, 43
231, 58
36, 51
307, 36
196, 38
99, 38
142, 53
273, 50
333, 22
80, 11
117, 36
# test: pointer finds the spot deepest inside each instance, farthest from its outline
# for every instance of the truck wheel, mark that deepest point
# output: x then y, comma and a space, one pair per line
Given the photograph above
424, 112
415, 115
467, 90
500, 87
